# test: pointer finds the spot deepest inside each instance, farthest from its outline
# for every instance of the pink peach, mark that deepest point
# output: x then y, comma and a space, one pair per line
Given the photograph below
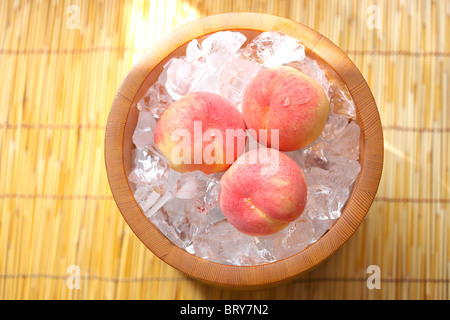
262, 192
201, 131
286, 99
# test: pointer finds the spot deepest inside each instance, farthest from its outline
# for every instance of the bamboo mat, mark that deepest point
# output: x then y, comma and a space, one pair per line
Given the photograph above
59, 75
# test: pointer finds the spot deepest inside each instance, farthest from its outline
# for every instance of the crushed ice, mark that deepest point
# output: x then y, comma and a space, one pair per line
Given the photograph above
184, 207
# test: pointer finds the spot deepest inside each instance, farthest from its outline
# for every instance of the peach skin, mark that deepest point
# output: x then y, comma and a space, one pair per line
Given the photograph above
201, 131
286, 99
262, 192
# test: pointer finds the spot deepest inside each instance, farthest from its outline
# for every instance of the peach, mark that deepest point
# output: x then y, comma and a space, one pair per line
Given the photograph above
262, 192
201, 131
286, 99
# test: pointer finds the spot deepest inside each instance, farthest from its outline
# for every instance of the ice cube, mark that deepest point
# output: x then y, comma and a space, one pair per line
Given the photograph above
210, 83
235, 77
325, 206
212, 56
273, 49
317, 202
186, 187
156, 100
223, 243
146, 198
337, 199
297, 156
343, 171
341, 101
334, 126
194, 52
179, 221
293, 239
158, 204
183, 76
311, 68
219, 47
162, 222
317, 209
202, 189
314, 222
151, 168
314, 156
174, 176
215, 215
316, 175
144, 134
340, 105
347, 142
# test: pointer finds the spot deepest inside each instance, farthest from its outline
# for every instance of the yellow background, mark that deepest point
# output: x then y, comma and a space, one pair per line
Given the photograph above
56, 88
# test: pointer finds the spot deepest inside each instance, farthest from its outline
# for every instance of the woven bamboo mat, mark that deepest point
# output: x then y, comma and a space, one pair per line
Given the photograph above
61, 63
